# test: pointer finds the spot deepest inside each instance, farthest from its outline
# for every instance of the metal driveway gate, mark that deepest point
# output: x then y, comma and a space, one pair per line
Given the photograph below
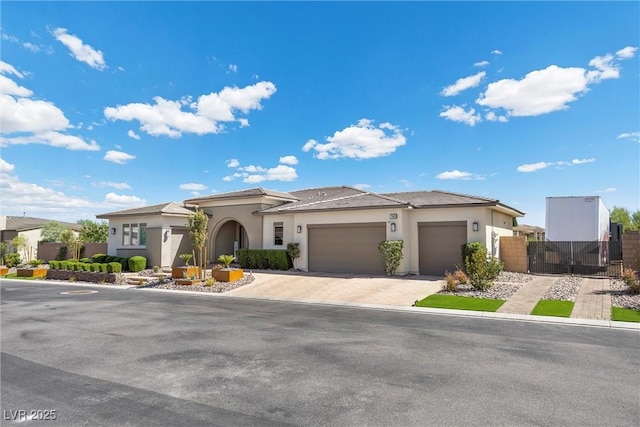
583, 258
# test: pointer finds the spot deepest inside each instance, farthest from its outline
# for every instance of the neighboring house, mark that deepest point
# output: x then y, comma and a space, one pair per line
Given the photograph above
31, 228
338, 228
531, 232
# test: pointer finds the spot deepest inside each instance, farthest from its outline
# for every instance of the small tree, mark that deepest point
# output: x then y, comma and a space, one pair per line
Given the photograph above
197, 226
21, 243
72, 242
391, 253
93, 232
293, 250
52, 232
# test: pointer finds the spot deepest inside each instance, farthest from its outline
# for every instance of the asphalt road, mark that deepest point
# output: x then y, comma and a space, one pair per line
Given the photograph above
138, 357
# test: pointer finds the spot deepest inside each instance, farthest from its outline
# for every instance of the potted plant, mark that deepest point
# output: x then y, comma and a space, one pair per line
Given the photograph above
35, 270
227, 274
189, 270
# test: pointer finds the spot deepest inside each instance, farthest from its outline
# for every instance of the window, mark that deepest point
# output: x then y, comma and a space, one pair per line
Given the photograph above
278, 233
134, 234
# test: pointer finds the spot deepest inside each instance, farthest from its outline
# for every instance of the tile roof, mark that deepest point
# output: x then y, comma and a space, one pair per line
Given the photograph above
170, 208
327, 198
439, 198
23, 223
251, 192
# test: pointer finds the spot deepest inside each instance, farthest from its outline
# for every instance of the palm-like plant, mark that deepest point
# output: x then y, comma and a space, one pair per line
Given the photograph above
226, 260
185, 258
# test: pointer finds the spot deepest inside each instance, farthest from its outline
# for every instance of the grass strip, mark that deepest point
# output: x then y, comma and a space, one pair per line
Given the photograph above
547, 307
15, 276
625, 314
460, 303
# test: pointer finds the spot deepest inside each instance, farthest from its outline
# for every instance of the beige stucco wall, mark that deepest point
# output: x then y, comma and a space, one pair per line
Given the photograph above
513, 253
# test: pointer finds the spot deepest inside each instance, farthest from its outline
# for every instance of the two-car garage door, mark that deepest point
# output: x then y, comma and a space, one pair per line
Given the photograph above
440, 246
346, 248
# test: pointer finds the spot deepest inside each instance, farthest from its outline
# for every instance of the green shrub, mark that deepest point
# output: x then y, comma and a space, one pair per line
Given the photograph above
72, 260
12, 260
391, 253
114, 267
226, 260
99, 258
95, 266
264, 259
86, 266
117, 259
480, 269
61, 254
75, 266
469, 249
109, 258
630, 278
124, 262
63, 265
293, 250
53, 264
85, 260
137, 263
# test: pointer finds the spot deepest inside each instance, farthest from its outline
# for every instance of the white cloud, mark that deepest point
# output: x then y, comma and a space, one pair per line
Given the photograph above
167, 118
362, 186
119, 199
539, 92
360, 141
232, 163
116, 185
606, 68
233, 68
228, 178
496, 52
5, 167
133, 135
607, 190
6, 68
289, 160
493, 117
118, 157
80, 51
481, 64
582, 161
634, 136
456, 174
463, 84
254, 174
458, 114
627, 52
532, 167
38, 121
192, 186
54, 139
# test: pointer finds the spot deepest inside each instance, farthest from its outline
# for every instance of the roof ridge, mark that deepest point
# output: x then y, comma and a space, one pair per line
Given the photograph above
350, 196
466, 195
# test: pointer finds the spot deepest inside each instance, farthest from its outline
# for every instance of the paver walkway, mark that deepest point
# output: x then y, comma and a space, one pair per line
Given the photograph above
593, 300
526, 298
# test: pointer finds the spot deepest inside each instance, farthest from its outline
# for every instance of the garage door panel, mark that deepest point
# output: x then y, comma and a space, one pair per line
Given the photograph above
440, 245
346, 248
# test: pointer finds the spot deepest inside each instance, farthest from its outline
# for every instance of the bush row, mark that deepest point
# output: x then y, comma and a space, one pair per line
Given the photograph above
102, 263
264, 259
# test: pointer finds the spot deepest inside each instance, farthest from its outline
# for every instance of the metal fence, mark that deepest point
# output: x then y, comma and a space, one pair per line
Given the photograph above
582, 258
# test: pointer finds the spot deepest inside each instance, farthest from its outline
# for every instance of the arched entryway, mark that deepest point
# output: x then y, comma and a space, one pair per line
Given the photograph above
227, 238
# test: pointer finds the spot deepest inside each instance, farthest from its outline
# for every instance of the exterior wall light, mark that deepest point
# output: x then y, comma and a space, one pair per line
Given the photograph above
299, 229
475, 226
113, 230
393, 226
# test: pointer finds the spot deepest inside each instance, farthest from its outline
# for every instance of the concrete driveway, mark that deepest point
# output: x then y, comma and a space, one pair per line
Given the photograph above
362, 289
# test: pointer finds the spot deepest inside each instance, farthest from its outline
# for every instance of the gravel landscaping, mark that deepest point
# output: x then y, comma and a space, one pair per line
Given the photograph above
564, 289
506, 285
621, 297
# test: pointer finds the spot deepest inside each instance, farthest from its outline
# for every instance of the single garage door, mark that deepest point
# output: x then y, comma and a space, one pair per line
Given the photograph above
440, 246
346, 248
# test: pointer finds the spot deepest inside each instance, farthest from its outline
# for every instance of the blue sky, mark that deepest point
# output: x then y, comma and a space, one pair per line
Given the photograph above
112, 105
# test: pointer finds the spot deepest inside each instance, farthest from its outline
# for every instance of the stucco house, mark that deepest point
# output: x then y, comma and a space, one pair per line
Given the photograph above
338, 228
28, 227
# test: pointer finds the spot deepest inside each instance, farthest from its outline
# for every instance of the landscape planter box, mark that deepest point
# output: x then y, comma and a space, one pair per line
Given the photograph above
227, 275
31, 272
4, 271
187, 282
179, 272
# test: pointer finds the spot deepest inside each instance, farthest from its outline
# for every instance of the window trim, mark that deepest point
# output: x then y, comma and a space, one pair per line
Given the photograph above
278, 233
140, 231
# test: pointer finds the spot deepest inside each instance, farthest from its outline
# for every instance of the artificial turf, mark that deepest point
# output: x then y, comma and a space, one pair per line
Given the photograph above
460, 303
